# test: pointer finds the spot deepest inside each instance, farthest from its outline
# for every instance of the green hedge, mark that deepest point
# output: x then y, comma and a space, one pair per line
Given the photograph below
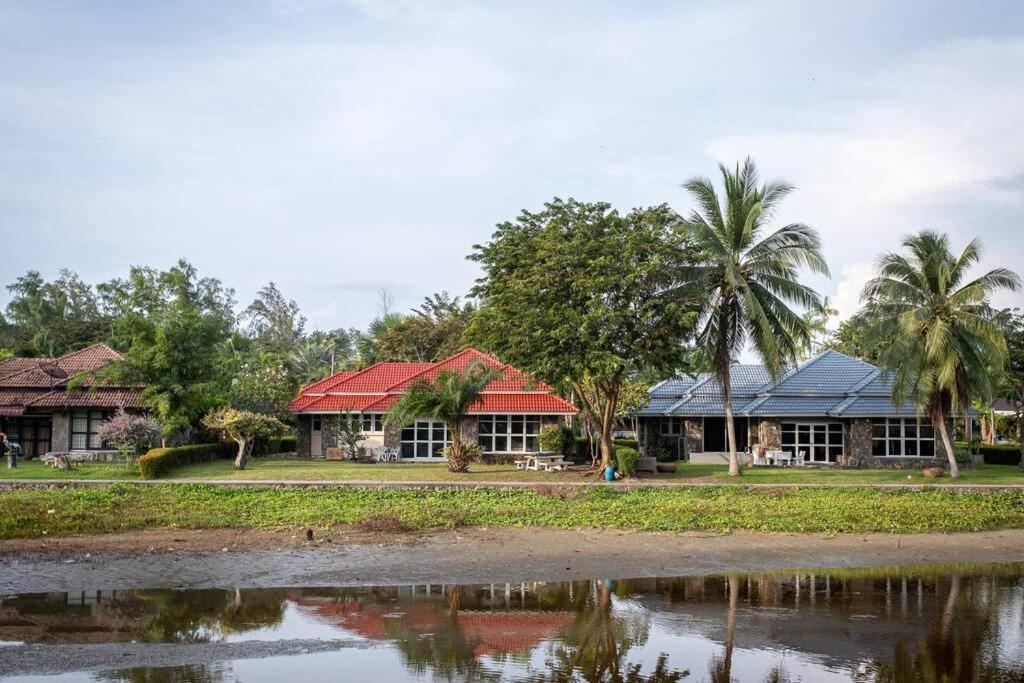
1000, 454
626, 461
160, 461
626, 443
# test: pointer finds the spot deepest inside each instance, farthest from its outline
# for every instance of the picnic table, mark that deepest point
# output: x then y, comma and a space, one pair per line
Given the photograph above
549, 462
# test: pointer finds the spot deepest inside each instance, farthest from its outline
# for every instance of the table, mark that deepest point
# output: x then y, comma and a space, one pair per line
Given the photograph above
780, 457
542, 461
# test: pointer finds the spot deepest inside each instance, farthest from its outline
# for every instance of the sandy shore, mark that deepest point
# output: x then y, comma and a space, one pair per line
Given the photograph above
345, 556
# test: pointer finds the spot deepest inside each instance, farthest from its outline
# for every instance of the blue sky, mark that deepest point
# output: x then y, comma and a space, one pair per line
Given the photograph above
341, 147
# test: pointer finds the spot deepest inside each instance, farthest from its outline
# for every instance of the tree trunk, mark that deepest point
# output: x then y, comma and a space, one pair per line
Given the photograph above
455, 462
939, 422
243, 454
730, 427
1020, 435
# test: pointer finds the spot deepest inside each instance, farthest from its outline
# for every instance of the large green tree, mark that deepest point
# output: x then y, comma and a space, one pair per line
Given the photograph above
577, 293
172, 327
274, 321
52, 318
748, 277
1011, 384
434, 331
946, 348
856, 336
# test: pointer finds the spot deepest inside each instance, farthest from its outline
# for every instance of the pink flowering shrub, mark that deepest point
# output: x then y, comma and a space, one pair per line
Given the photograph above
131, 435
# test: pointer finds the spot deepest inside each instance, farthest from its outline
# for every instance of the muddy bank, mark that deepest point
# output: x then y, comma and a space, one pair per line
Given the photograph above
340, 557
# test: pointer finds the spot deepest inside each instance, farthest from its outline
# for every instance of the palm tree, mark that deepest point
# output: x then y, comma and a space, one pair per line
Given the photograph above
945, 338
311, 359
817, 320
445, 399
749, 277
368, 343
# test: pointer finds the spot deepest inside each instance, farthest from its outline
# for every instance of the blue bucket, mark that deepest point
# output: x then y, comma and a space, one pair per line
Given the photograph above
609, 473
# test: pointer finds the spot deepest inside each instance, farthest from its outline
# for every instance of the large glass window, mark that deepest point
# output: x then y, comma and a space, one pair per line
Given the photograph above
672, 426
902, 437
425, 439
716, 436
85, 427
509, 433
820, 441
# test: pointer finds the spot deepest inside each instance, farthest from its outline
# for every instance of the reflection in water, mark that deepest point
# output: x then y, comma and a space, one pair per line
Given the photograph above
962, 624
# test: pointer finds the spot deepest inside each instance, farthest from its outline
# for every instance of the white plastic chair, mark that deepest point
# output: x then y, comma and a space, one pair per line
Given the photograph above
801, 456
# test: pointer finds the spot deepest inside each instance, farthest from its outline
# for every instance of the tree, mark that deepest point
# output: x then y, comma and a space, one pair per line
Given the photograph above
131, 435
819, 335
434, 331
262, 383
171, 327
367, 343
1011, 383
578, 292
855, 337
244, 428
350, 435
52, 318
273, 320
946, 345
446, 399
748, 279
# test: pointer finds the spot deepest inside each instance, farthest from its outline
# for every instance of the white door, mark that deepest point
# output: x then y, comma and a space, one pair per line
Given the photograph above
316, 437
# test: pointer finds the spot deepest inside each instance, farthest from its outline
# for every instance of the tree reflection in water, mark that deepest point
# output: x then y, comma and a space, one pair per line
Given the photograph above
178, 674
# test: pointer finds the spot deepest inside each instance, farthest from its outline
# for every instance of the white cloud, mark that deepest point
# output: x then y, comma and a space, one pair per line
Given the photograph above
853, 277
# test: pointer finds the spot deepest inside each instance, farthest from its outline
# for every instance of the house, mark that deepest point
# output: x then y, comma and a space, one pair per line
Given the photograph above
38, 412
837, 409
506, 420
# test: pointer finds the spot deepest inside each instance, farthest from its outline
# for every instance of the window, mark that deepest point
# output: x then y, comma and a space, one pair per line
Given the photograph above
672, 426
317, 423
425, 439
85, 426
369, 422
820, 441
716, 436
902, 437
509, 433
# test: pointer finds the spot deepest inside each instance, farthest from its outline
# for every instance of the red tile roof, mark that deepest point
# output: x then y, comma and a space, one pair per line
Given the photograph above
42, 382
376, 388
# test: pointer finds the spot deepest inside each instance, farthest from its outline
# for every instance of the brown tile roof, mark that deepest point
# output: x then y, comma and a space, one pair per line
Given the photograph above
42, 382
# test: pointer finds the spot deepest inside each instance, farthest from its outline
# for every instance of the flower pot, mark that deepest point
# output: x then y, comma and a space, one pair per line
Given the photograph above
667, 467
933, 472
609, 473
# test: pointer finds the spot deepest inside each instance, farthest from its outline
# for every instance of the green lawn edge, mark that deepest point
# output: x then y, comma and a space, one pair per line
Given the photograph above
32, 512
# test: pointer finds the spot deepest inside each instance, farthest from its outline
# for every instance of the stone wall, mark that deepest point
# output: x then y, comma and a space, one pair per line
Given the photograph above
302, 428
694, 435
60, 432
330, 426
769, 434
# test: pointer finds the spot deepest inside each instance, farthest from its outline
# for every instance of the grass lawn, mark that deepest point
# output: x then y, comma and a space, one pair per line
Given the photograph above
115, 507
319, 470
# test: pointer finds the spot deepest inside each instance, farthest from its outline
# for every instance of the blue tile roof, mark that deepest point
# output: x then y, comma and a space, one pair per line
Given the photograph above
830, 384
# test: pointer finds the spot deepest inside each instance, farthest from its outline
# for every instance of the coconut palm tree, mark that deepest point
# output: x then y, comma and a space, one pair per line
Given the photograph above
945, 338
445, 399
368, 343
750, 277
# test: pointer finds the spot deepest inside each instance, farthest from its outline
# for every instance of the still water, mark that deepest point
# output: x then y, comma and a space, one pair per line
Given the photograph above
947, 624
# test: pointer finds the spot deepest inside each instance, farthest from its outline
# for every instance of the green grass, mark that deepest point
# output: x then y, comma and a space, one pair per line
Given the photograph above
272, 468
31, 512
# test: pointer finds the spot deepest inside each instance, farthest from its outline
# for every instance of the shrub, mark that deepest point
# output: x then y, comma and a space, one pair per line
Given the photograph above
131, 435
626, 461
1001, 454
626, 443
159, 461
471, 452
557, 439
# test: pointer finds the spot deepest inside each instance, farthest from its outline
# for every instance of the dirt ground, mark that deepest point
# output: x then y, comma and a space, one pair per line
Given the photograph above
349, 556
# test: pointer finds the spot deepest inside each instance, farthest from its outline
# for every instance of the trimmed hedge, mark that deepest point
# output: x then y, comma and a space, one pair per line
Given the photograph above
582, 449
626, 461
1000, 454
626, 443
160, 461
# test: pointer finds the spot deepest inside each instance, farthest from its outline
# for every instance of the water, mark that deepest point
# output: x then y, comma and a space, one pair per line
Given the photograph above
964, 623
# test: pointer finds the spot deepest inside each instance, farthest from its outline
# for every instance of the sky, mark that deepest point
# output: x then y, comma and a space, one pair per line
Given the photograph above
341, 147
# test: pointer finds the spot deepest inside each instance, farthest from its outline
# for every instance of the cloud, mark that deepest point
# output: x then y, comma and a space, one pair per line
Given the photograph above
853, 277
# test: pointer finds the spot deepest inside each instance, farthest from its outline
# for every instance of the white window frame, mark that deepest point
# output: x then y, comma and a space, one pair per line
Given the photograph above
433, 445
900, 424
672, 426
93, 420
528, 438
369, 423
832, 450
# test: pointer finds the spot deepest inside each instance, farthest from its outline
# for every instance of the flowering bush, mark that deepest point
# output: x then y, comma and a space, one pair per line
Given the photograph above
131, 435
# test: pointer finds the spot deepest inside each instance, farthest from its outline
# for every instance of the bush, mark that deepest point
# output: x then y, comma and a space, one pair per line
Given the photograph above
626, 443
626, 461
159, 461
557, 439
1001, 454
